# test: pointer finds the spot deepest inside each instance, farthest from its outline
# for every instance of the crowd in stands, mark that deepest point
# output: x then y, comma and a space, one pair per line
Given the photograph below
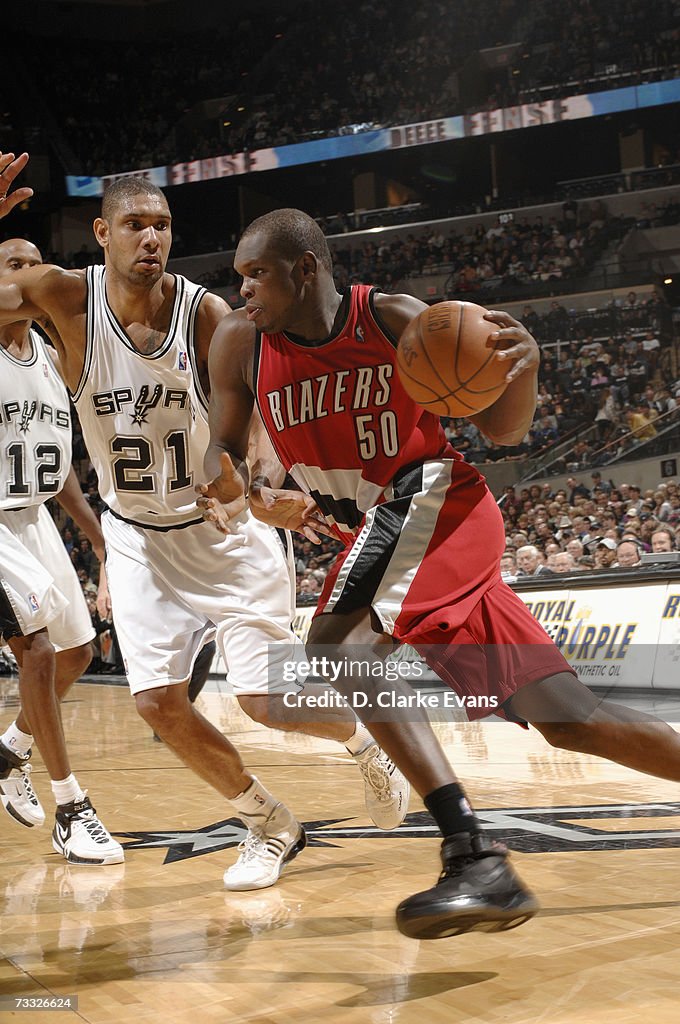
586, 527
587, 45
565, 51
146, 89
622, 383
420, 47
521, 253
484, 258
149, 90
608, 369
481, 260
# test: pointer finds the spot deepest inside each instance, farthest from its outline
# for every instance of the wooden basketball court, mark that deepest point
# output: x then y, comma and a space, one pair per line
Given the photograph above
159, 939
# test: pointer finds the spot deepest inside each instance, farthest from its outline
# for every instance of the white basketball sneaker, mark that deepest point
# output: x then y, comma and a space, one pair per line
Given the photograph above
268, 847
80, 836
387, 791
17, 793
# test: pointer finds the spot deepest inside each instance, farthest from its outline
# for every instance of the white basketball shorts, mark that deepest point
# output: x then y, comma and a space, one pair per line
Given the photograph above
172, 589
39, 585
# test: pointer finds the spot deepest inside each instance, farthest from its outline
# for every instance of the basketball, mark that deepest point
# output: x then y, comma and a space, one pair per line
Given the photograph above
446, 360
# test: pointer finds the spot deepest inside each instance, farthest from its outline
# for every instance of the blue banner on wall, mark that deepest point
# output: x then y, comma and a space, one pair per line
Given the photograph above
446, 129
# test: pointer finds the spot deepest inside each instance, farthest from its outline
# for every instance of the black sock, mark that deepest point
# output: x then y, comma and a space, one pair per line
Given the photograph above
449, 807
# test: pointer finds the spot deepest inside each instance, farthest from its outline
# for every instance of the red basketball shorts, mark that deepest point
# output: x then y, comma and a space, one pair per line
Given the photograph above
426, 562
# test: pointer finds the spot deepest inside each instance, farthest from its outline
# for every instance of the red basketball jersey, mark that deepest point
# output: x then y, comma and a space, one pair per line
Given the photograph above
338, 416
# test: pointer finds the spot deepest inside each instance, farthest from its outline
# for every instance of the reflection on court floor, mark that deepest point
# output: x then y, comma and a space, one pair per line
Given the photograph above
159, 939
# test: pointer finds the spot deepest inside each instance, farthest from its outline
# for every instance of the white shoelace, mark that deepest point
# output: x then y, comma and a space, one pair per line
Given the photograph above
252, 846
26, 770
92, 826
258, 845
377, 775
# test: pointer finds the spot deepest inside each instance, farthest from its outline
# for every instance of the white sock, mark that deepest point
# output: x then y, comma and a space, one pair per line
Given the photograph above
360, 740
66, 790
18, 741
255, 801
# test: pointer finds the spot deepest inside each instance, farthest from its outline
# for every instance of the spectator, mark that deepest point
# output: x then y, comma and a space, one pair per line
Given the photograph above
606, 416
529, 562
86, 582
640, 424
67, 537
576, 489
86, 558
508, 566
564, 561
605, 553
627, 554
635, 500
575, 548
663, 539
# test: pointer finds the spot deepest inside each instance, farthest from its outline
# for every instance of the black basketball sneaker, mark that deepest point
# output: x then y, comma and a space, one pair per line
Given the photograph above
477, 891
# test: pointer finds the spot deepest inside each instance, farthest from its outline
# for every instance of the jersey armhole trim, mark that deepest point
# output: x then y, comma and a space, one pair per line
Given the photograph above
50, 361
257, 352
377, 319
191, 322
89, 334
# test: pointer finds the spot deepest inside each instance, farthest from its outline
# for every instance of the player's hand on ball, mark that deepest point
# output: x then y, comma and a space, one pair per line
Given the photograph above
289, 510
223, 498
10, 166
521, 346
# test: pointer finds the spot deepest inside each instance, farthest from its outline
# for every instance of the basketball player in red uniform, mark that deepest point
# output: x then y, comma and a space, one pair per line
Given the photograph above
423, 536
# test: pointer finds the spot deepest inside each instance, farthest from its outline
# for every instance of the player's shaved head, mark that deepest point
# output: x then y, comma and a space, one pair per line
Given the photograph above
15, 251
126, 190
290, 233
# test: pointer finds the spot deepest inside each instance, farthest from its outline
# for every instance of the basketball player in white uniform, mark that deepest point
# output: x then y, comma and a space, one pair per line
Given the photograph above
133, 349
42, 608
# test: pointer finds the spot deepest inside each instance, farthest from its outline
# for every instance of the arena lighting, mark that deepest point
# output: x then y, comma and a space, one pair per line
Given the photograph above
668, 280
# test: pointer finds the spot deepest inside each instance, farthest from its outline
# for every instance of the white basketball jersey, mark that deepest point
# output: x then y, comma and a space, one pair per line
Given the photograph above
35, 428
144, 417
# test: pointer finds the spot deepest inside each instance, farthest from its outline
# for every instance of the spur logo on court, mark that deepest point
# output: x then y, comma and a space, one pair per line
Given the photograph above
524, 829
